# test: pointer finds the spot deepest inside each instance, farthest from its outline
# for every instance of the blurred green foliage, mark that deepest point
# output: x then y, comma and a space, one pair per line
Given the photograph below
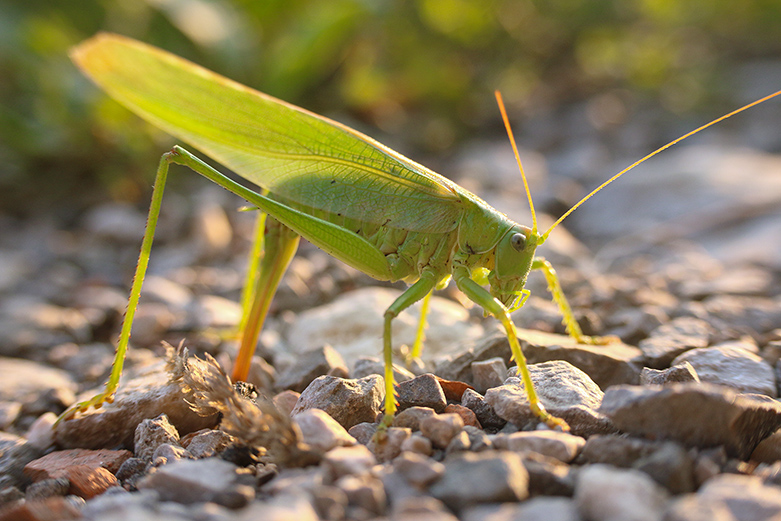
424, 69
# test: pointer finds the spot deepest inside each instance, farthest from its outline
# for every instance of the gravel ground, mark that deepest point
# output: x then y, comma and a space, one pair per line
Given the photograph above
679, 421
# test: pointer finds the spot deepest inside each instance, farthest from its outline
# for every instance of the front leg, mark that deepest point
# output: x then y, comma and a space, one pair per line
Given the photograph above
568, 318
483, 298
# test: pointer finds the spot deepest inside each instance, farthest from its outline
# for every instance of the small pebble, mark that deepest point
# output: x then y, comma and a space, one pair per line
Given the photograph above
88, 482
151, 322
9, 412
691, 507
40, 433
343, 461
460, 367
47, 488
208, 443
397, 488
478, 439
197, 481
321, 432
292, 505
366, 492
131, 471
412, 417
678, 373
617, 450
459, 443
57, 464
166, 453
421, 391
548, 476
484, 413
150, 434
363, 432
746, 315
453, 389
560, 445
467, 415
329, 501
671, 466
610, 494
441, 428
349, 402
488, 373
58, 508
159, 289
390, 445
10, 495
419, 444
481, 477
709, 463
295, 480
418, 469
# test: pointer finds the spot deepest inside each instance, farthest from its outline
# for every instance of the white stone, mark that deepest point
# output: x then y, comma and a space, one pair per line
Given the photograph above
321, 431
353, 324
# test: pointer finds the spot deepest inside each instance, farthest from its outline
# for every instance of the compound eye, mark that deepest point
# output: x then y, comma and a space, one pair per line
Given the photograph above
518, 241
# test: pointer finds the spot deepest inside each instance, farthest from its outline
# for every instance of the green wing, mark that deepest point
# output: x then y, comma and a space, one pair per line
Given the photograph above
307, 159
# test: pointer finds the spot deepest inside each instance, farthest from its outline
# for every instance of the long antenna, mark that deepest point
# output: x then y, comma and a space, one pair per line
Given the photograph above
660, 149
517, 157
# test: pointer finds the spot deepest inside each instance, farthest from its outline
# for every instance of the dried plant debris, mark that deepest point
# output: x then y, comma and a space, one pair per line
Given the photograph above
246, 414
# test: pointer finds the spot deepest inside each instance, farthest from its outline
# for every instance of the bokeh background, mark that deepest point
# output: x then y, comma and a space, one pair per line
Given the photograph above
590, 85
416, 74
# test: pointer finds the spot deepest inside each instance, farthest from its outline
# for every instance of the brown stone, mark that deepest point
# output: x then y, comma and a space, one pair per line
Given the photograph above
49, 509
466, 414
57, 464
453, 389
88, 482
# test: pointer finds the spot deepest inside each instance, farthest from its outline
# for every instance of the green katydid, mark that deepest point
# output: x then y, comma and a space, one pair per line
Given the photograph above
351, 196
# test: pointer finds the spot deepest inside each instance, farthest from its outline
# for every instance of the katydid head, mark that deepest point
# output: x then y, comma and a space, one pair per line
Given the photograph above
513, 259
